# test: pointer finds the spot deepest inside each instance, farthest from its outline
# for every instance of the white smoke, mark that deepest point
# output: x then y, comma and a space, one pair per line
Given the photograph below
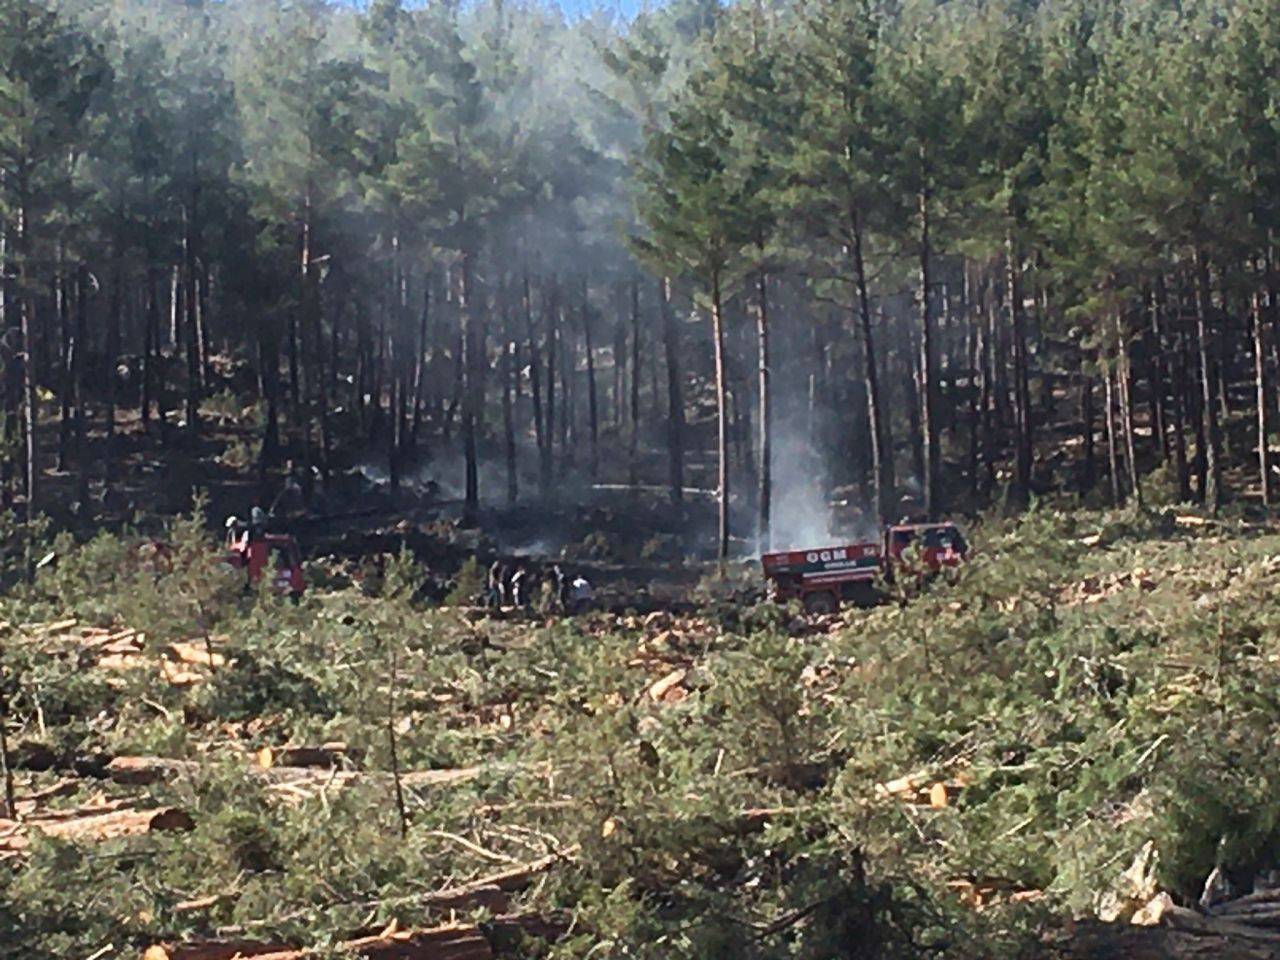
801, 513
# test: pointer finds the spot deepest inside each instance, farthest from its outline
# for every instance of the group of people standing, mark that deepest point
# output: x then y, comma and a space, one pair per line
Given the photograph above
511, 585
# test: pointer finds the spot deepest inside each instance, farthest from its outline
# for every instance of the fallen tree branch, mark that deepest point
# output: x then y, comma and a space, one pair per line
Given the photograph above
448, 942
475, 848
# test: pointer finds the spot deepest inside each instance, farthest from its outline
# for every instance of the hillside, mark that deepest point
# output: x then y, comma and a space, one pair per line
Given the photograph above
969, 772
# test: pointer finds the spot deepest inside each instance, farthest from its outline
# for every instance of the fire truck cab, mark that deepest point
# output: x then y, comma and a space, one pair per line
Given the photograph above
823, 577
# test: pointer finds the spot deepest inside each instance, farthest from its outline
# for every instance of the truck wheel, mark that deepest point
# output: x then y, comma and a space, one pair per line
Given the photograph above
821, 603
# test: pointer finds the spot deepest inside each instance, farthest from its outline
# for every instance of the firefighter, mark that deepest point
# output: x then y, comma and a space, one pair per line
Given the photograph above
560, 588
579, 594
493, 587
520, 587
257, 523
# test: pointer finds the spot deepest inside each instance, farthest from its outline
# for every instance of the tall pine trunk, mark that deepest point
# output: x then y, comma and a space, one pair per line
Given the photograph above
882, 471
1086, 431
114, 309
928, 374
568, 396
420, 359
1125, 374
1260, 385
549, 431
535, 380
11, 333
1158, 381
1178, 392
722, 422
77, 381
675, 395
593, 411
150, 346
764, 415
1208, 409
633, 438
1113, 463
470, 364
191, 310
1023, 454
509, 372
66, 399
27, 308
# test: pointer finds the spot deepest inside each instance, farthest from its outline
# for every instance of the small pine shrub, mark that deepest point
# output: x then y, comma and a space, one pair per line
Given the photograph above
468, 585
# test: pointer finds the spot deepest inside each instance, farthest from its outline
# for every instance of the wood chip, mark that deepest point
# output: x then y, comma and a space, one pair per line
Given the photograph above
659, 690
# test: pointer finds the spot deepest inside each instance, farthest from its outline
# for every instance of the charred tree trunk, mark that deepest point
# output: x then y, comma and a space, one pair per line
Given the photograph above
675, 395
633, 438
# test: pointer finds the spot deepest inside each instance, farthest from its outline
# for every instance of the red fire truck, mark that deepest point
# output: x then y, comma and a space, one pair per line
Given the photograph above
822, 577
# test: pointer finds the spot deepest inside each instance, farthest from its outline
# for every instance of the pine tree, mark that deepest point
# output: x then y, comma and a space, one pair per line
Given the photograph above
693, 195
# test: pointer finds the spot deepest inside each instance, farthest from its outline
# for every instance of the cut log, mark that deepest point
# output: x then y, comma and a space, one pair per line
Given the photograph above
142, 771
197, 904
1181, 918
325, 755
31, 802
180, 675
58, 626
924, 788
659, 690
15, 838
195, 653
217, 950
938, 797
452, 942
117, 823
122, 661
